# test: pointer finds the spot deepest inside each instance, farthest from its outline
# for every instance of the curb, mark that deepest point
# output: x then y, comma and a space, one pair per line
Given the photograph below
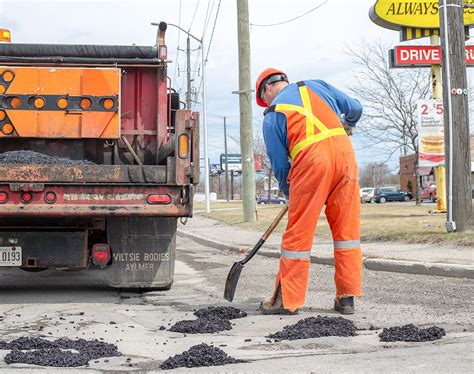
420, 268
375, 264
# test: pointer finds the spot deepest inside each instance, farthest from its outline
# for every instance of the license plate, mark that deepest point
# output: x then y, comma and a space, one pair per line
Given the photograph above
10, 256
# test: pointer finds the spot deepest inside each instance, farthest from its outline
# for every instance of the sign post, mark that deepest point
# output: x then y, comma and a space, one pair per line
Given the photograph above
440, 172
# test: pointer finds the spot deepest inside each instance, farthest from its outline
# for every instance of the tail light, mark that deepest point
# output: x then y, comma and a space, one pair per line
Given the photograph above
50, 197
5, 36
8, 129
26, 197
108, 104
101, 254
183, 146
86, 103
15, 102
3, 197
158, 199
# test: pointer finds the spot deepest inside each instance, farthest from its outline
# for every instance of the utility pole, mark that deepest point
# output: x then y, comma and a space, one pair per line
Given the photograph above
226, 163
188, 73
245, 97
456, 122
373, 172
232, 184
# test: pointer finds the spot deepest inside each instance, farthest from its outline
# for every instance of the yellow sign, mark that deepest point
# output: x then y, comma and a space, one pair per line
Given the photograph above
395, 14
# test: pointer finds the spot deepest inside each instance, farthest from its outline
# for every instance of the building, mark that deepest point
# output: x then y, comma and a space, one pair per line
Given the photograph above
408, 177
407, 174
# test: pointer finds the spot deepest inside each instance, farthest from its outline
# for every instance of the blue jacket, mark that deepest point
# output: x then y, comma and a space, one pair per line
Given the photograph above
274, 123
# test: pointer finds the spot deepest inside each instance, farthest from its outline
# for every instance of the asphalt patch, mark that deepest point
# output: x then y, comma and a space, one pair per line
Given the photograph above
30, 157
62, 352
316, 327
411, 333
198, 356
210, 320
223, 312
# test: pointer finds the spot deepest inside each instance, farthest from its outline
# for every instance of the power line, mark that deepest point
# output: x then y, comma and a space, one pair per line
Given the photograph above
213, 28
194, 15
179, 34
290, 20
208, 16
208, 49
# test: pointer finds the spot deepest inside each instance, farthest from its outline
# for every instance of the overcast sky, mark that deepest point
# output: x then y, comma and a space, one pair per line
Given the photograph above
309, 47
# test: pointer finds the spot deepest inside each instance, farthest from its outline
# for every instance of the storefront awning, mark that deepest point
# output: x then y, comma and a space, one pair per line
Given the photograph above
425, 171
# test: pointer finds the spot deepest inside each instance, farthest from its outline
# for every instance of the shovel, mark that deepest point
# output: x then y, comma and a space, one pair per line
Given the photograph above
236, 269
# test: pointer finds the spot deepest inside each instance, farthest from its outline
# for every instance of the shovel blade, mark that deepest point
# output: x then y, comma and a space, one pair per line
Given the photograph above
232, 280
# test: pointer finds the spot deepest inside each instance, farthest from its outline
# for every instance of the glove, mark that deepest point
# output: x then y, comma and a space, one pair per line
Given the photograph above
346, 126
348, 129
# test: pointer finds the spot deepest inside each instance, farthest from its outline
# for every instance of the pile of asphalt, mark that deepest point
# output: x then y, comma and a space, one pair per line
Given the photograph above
199, 355
207, 325
411, 333
62, 352
210, 320
222, 312
312, 327
30, 157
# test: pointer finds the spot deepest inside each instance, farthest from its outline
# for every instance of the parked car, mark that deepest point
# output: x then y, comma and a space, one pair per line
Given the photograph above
366, 194
384, 194
275, 199
429, 192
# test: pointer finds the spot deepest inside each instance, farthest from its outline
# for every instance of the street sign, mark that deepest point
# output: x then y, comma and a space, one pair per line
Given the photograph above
430, 133
422, 56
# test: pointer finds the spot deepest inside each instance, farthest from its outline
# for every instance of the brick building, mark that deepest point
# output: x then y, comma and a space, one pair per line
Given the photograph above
407, 172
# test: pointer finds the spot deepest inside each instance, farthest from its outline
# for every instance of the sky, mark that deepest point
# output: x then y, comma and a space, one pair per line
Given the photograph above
312, 46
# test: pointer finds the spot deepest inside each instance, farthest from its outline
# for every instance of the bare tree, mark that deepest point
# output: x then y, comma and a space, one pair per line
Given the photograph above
389, 97
376, 174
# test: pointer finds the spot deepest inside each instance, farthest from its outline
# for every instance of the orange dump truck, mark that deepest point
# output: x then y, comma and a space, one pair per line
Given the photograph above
97, 160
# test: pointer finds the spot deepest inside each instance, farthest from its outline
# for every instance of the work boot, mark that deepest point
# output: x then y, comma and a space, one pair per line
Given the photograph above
344, 305
275, 305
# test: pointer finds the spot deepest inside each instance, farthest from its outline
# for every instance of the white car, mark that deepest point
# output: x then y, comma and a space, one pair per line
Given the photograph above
366, 194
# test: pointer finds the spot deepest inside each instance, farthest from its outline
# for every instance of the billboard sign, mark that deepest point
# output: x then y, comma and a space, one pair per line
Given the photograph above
430, 133
396, 14
234, 162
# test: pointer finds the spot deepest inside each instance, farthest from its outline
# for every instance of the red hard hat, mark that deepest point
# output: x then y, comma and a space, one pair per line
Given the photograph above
263, 76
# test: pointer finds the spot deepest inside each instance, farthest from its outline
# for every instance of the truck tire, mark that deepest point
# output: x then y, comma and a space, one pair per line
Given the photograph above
143, 252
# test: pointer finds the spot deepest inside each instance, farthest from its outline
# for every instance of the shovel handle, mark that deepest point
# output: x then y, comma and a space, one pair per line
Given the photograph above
265, 236
275, 223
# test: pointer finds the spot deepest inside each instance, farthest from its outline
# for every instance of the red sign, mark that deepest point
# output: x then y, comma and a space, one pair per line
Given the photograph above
423, 56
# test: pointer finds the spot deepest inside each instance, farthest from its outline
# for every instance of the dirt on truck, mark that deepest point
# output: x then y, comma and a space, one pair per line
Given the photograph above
97, 160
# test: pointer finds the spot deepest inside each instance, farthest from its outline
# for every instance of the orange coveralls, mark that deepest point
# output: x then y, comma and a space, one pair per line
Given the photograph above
323, 172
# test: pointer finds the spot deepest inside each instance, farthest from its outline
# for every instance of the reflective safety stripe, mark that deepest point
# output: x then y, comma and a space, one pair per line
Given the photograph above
311, 121
314, 139
295, 254
338, 244
304, 112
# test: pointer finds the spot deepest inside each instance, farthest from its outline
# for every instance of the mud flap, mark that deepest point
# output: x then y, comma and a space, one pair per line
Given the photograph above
143, 252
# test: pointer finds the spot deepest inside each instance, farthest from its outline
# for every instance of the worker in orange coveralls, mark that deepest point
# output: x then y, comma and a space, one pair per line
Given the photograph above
313, 159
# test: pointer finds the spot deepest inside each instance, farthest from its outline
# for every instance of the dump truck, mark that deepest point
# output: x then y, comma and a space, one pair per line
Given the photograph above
98, 160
